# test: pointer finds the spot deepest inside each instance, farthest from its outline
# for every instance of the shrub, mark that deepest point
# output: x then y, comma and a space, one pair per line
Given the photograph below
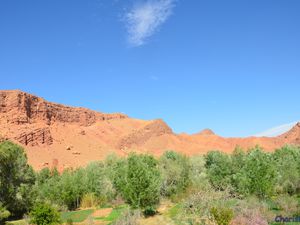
138, 181
288, 205
44, 214
4, 213
175, 173
89, 201
287, 161
221, 215
200, 203
16, 179
219, 169
74, 186
252, 211
198, 172
128, 217
258, 175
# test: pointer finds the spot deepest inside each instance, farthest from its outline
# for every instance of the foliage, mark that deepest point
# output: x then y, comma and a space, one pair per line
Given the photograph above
69, 188
258, 175
44, 214
287, 164
175, 173
138, 181
222, 215
198, 172
16, 179
128, 217
288, 205
252, 211
200, 202
252, 183
89, 201
219, 169
4, 213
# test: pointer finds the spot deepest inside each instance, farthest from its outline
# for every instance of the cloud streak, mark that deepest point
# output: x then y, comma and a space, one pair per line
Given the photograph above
273, 132
143, 20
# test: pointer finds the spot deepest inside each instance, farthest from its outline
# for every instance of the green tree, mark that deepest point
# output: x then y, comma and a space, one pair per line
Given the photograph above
16, 179
258, 175
219, 169
287, 161
138, 180
44, 214
175, 173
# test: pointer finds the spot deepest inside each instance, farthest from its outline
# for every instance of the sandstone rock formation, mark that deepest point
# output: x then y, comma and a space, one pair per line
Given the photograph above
139, 137
55, 135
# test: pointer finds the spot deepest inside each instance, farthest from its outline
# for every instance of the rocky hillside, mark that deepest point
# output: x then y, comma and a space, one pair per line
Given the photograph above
62, 136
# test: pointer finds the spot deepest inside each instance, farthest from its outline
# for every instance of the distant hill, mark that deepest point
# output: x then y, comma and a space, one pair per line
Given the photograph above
63, 136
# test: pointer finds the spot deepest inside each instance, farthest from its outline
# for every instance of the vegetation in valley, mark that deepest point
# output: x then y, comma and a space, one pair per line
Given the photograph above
246, 187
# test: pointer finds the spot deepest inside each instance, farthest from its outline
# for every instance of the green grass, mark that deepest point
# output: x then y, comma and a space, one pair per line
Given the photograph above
174, 211
17, 222
77, 216
115, 214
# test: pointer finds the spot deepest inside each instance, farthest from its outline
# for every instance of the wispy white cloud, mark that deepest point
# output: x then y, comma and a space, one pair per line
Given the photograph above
155, 78
273, 132
144, 19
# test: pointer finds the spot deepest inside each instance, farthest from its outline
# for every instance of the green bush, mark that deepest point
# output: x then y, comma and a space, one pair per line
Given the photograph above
44, 214
128, 217
138, 181
69, 188
4, 213
258, 175
198, 172
219, 169
175, 173
16, 179
221, 215
287, 164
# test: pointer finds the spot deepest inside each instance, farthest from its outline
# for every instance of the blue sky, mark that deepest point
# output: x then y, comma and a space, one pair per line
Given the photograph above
232, 66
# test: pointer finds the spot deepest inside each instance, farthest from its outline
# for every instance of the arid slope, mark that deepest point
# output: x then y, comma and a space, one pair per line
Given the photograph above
62, 136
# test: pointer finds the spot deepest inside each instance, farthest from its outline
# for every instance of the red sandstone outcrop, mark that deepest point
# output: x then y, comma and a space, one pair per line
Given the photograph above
292, 136
21, 108
206, 132
139, 137
35, 137
73, 137
28, 118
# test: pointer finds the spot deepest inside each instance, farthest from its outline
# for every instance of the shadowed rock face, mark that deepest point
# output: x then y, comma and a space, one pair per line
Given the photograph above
73, 137
206, 132
139, 137
20, 108
292, 136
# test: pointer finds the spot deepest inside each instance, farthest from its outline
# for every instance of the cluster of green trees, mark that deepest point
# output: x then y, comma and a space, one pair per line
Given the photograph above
256, 172
142, 180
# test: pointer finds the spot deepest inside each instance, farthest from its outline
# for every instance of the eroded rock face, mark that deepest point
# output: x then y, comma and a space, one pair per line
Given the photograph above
21, 108
139, 137
29, 118
35, 137
206, 132
292, 136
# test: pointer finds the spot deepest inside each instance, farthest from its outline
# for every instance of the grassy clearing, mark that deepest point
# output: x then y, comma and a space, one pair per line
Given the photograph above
17, 222
115, 214
77, 216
